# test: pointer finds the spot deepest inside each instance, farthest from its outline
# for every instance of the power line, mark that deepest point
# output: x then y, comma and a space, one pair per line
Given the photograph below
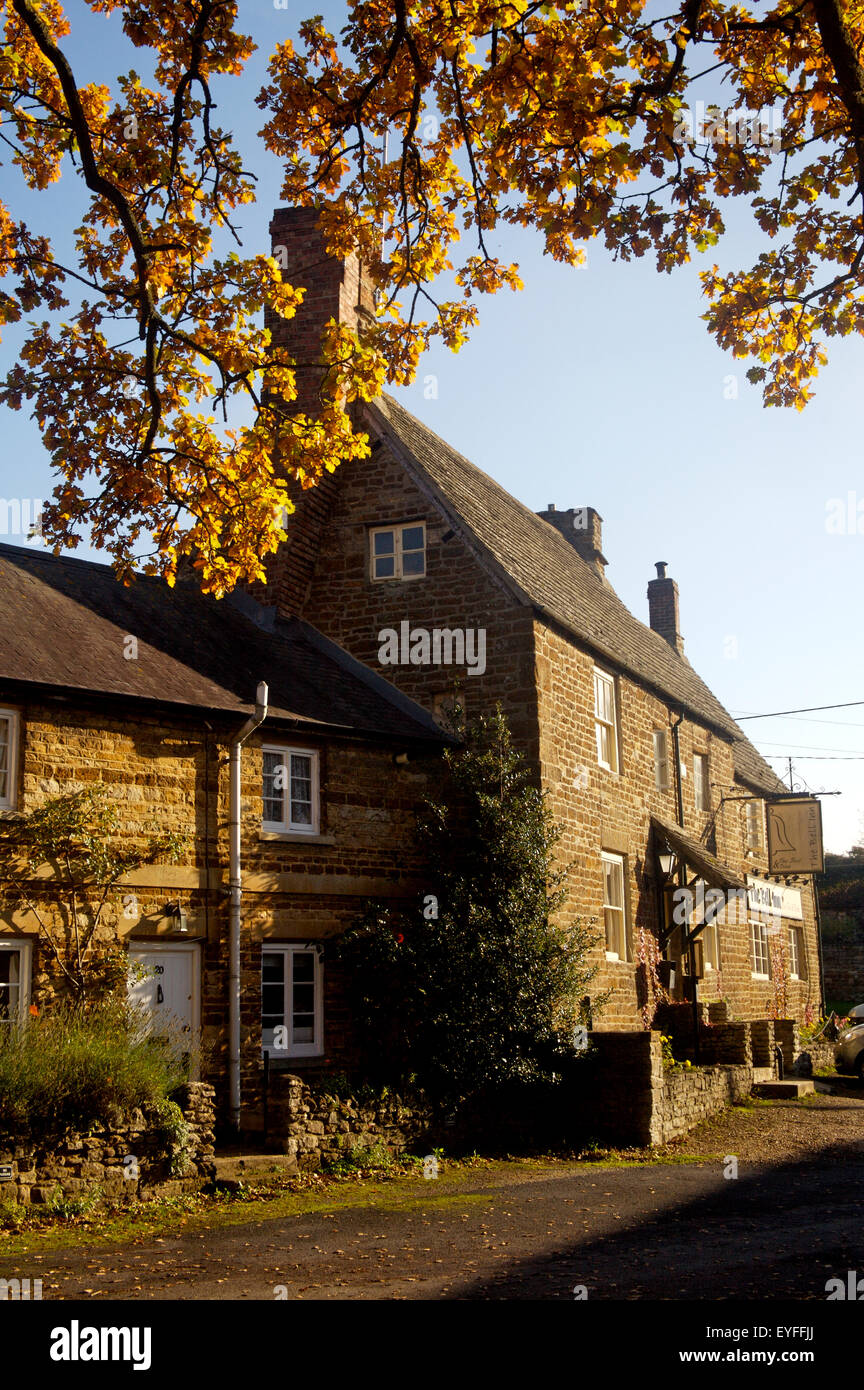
833, 723
808, 709
814, 758
778, 743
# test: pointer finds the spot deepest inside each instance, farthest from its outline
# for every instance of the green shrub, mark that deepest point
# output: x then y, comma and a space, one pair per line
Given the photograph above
73, 1070
360, 1158
474, 987
339, 1086
175, 1132
67, 1208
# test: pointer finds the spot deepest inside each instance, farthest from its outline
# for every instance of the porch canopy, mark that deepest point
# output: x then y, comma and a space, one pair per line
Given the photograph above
704, 864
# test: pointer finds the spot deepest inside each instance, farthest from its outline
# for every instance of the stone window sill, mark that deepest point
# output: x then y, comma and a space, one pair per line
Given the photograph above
291, 837
292, 1063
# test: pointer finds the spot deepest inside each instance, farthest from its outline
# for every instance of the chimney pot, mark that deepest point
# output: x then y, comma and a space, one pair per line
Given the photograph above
660, 567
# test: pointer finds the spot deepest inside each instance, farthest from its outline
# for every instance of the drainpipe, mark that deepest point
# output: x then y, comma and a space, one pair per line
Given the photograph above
235, 895
682, 879
676, 748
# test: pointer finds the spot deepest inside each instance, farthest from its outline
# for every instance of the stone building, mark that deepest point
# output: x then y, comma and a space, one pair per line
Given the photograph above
144, 690
410, 584
636, 753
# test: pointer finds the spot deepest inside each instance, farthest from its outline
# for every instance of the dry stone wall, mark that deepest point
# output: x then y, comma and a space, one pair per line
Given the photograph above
132, 1160
317, 1126
638, 1103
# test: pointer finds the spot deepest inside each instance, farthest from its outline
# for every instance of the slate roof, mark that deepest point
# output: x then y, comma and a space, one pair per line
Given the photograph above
543, 570
65, 621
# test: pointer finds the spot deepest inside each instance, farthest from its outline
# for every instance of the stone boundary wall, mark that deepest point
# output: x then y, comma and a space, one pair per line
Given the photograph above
638, 1104
314, 1125
682, 1099
80, 1166
763, 1039
726, 1044
747, 1043
814, 1056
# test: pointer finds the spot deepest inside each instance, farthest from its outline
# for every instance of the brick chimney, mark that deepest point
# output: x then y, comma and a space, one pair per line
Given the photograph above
334, 289
663, 608
582, 527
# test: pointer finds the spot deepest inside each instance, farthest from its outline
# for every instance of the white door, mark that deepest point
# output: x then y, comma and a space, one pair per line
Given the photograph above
167, 987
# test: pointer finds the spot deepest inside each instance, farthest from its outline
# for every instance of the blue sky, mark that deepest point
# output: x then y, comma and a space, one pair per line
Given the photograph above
601, 387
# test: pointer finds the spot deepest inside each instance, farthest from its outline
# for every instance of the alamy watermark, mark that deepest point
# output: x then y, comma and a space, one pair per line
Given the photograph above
711, 125
851, 1289
77, 1343
20, 1290
21, 516
447, 646
845, 516
734, 906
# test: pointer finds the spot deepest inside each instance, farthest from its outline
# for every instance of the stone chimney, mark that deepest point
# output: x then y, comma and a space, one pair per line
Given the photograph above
582, 527
334, 289
663, 608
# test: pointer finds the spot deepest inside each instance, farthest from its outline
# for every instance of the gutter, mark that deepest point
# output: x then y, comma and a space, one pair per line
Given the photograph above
235, 891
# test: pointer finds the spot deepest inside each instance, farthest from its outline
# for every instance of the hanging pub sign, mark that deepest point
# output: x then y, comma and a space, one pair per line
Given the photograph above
795, 836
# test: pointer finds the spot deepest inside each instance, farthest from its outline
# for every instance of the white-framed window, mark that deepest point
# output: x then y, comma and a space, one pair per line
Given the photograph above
290, 794
701, 782
710, 946
14, 980
398, 552
605, 719
709, 935
760, 959
9, 724
794, 954
292, 1001
754, 824
614, 906
661, 760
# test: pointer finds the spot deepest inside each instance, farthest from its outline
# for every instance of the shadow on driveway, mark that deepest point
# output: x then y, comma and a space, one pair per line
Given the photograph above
779, 1233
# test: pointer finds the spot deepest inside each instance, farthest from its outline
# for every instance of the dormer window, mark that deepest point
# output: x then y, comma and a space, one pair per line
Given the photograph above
398, 552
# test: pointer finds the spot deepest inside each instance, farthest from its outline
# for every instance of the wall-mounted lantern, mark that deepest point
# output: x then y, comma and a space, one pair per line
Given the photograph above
177, 911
